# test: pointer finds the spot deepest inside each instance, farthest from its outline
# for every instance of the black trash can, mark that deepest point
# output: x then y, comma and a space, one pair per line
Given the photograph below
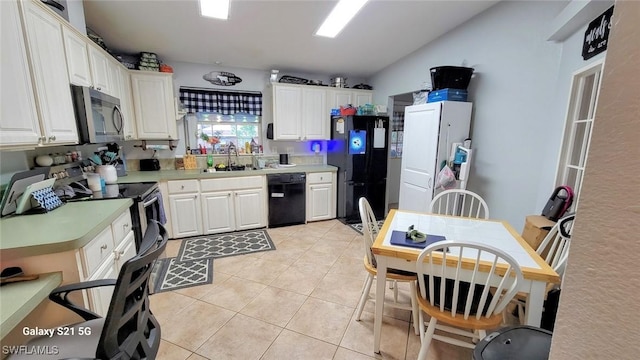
515, 342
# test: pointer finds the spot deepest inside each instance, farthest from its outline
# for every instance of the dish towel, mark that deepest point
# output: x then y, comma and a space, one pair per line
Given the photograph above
162, 217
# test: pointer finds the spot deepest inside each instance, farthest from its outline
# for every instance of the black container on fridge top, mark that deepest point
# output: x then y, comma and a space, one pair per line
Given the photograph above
450, 77
359, 147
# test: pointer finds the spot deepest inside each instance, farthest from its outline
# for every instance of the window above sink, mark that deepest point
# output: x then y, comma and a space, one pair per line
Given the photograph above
216, 131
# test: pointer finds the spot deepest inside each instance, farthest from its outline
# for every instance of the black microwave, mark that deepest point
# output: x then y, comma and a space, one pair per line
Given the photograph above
98, 116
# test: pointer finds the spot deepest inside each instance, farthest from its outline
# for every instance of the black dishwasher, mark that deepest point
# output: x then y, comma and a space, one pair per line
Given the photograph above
286, 199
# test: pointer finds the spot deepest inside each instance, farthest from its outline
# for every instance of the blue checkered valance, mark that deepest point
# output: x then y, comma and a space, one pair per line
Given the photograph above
221, 102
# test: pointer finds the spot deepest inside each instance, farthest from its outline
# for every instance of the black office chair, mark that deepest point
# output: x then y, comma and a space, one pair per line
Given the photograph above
129, 331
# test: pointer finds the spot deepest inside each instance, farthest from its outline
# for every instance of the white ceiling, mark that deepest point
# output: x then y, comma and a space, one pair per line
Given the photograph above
266, 34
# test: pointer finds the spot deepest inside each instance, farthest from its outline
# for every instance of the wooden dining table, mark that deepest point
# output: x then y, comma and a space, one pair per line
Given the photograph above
499, 234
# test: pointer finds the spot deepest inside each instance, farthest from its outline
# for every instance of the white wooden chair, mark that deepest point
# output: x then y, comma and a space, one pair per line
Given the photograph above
459, 202
476, 305
370, 231
554, 249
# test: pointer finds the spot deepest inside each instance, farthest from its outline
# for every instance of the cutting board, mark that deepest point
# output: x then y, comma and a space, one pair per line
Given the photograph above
190, 162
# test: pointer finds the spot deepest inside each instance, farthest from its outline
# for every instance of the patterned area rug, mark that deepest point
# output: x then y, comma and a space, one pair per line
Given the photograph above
194, 264
223, 245
358, 226
172, 274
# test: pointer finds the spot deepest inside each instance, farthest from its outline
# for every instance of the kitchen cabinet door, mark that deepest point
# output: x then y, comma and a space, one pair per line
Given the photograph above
320, 202
340, 97
250, 212
218, 213
77, 58
287, 112
49, 74
185, 215
18, 117
100, 297
125, 251
153, 105
126, 104
315, 117
362, 98
100, 72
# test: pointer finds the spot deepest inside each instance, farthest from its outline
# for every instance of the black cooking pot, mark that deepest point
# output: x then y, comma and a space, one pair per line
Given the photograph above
450, 77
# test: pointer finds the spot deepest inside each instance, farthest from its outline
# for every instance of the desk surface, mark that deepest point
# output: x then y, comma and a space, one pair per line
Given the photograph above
498, 234
18, 299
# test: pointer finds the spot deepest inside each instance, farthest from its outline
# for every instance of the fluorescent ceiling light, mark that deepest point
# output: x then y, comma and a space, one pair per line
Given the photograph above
341, 14
218, 9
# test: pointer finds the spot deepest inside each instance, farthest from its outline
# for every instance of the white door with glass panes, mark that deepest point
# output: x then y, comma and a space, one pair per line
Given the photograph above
49, 75
154, 105
583, 100
185, 215
250, 212
287, 105
315, 123
19, 123
218, 212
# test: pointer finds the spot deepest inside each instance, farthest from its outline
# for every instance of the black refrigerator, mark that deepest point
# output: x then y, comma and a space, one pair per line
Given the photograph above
359, 147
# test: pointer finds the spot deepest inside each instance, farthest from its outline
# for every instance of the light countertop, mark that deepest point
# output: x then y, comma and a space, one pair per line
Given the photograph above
66, 228
20, 298
164, 175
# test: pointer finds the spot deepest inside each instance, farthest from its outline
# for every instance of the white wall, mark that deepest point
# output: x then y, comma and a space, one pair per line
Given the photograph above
519, 92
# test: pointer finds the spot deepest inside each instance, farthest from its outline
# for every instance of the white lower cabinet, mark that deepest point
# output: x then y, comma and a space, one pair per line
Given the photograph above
218, 213
103, 257
321, 196
250, 212
233, 204
100, 297
185, 215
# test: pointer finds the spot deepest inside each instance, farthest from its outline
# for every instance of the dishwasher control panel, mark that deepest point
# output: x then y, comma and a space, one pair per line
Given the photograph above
287, 178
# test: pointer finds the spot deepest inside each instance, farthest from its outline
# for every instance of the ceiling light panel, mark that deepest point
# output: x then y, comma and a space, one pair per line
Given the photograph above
339, 17
218, 9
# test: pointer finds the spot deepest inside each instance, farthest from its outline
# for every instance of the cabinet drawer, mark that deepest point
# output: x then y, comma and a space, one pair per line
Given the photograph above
319, 178
121, 227
238, 183
183, 186
97, 250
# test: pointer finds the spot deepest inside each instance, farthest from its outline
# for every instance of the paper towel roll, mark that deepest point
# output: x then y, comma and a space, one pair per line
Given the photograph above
158, 147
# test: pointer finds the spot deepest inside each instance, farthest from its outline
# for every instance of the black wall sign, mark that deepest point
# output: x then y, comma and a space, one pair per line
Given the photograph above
596, 37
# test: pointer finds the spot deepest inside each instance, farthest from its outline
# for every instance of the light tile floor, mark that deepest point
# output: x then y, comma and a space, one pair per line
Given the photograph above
297, 302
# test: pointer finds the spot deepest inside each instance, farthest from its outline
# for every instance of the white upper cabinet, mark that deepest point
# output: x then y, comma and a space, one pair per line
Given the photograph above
126, 104
100, 71
18, 117
343, 97
77, 58
362, 97
153, 105
49, 75
300, 112
287, 112
315, 116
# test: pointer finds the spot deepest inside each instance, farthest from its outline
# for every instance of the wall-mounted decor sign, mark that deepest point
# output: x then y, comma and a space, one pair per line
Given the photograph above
596, 37
222, 78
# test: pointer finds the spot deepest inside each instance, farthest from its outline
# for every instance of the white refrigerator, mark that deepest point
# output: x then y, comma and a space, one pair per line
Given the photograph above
429, 132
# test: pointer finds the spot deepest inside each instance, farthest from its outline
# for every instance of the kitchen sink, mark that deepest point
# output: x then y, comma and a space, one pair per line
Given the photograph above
228, 168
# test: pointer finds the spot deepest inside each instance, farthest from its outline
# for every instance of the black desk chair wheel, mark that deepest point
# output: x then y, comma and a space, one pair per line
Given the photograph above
129, 331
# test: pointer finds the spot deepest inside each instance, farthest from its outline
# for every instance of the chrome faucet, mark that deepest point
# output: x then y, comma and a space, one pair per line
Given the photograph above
230, 147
